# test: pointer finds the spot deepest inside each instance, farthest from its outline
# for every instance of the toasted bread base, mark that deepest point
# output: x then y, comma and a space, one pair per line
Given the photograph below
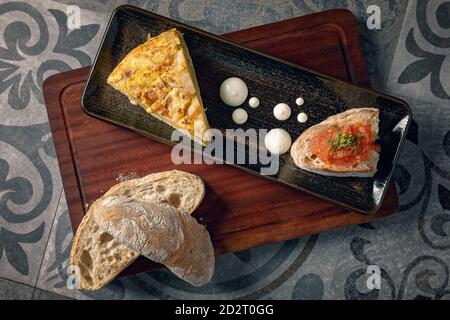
305, 160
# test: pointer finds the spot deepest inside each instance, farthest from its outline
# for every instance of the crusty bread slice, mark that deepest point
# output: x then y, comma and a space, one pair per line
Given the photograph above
306, 160
161, 233
99, 256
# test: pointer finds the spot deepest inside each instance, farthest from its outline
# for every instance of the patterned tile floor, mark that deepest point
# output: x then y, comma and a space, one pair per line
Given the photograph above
408, 57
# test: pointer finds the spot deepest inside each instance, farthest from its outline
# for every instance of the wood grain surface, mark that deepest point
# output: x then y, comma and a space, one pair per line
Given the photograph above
239, 210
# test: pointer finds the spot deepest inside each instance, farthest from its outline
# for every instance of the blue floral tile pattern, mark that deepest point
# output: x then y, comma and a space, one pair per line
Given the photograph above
36, 43
423, 51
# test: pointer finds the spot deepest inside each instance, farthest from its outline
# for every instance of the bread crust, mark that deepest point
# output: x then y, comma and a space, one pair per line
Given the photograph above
305, 160
161, 233
86, 281
148, 189
132, 188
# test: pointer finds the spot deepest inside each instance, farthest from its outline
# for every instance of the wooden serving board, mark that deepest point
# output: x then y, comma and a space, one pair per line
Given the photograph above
240, 210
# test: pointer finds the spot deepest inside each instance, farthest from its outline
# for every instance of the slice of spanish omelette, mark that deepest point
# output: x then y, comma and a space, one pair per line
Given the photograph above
159, 76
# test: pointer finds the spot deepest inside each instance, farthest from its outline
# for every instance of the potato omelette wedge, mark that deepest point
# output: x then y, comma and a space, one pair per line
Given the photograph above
159, 76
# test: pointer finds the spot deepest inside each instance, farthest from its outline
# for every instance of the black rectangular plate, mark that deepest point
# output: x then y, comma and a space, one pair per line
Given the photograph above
272, 81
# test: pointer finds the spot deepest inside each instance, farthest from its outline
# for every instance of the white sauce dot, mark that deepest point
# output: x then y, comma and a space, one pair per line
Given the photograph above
282, 111
233, 91
240, 116
253, 102
277, 141
302, 117
299, 101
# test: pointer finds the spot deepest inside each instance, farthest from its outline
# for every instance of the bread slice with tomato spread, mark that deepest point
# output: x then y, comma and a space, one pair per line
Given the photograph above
343, 145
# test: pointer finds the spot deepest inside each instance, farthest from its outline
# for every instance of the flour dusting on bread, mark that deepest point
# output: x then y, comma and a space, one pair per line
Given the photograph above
161, 233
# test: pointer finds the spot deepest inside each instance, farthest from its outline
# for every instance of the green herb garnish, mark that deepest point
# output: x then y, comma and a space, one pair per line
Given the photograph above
344, 140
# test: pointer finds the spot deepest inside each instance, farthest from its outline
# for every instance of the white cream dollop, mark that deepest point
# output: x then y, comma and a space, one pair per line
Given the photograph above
233, 91
299, 101
302, 117
253, 102
282, 111
239, 116
277, 141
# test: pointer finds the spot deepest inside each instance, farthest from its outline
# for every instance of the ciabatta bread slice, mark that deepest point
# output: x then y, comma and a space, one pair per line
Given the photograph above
306, 159
161, 233
100, 257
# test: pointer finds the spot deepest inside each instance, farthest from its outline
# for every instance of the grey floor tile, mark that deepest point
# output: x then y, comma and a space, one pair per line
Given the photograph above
102, 7
422, 69
76, 48
11, 290
379, 44
219, 16
28, 166
39, 294
405, 261
28, 159
314, 277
